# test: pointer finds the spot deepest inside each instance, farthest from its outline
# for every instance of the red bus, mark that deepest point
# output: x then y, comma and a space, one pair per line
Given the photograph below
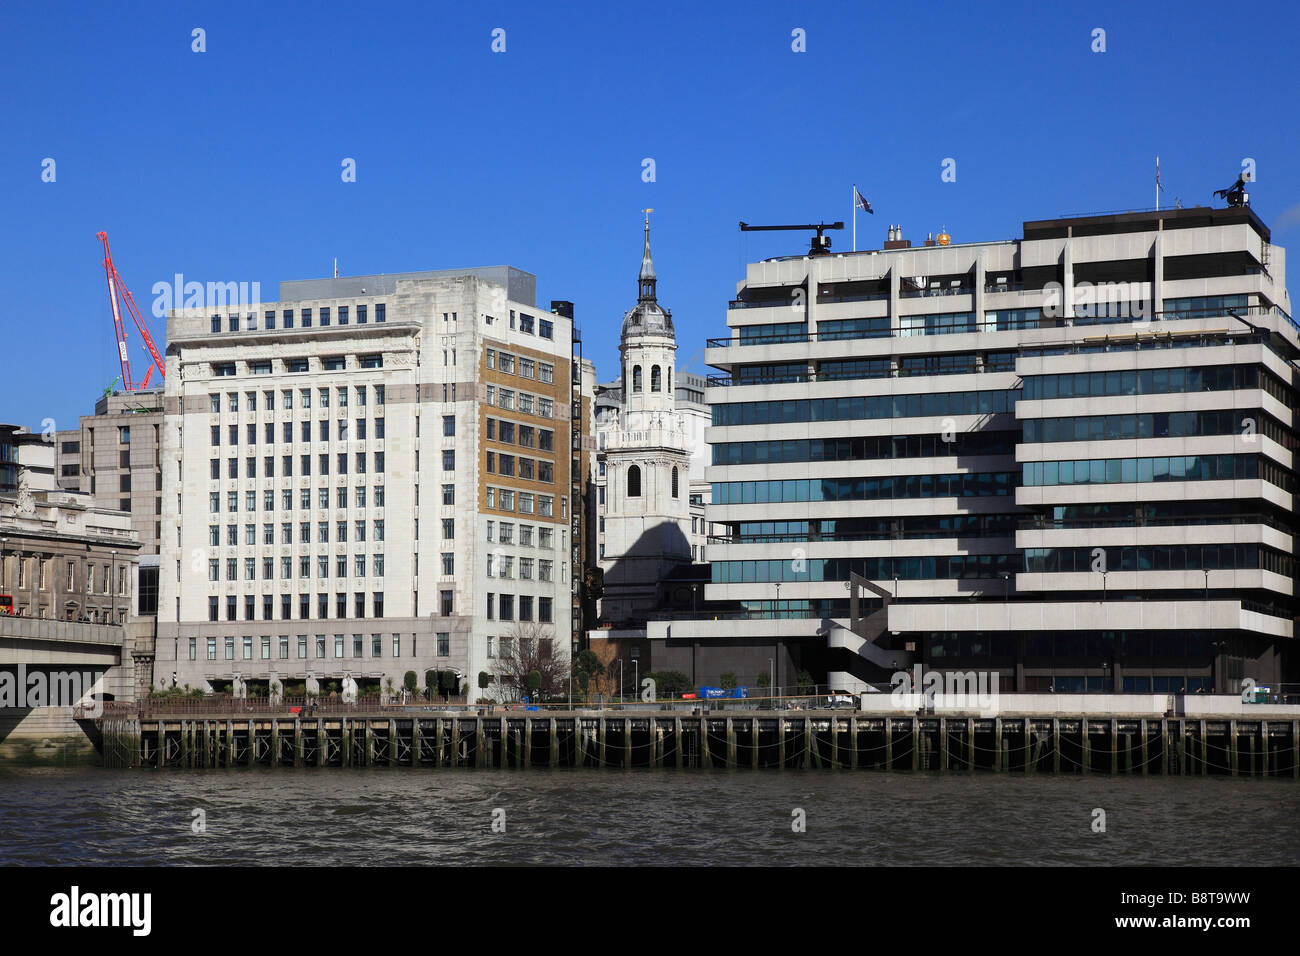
6, 604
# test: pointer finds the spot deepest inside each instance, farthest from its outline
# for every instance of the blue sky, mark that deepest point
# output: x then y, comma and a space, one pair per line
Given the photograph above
225, 165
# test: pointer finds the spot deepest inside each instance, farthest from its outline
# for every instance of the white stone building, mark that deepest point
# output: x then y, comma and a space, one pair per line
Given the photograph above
366, 478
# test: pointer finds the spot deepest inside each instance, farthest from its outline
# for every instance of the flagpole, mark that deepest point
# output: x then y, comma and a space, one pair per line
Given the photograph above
853, 204
1157, 184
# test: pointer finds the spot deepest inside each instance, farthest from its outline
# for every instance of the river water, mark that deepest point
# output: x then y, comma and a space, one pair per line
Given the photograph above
94, 816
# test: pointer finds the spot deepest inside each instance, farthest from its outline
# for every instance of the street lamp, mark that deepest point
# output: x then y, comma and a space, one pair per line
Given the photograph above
772, 680
620, 680
1103, 586
4, 542
776, 610
1206, 572
695, 591
112, 585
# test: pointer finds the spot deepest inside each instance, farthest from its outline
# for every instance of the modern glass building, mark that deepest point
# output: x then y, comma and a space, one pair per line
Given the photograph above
1066, 458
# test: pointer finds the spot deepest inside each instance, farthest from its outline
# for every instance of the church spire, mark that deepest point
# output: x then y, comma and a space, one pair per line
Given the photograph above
646, 280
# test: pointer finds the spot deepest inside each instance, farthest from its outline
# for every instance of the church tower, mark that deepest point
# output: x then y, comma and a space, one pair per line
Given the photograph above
647, 510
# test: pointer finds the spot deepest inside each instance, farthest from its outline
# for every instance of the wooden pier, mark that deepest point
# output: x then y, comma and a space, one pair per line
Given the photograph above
774, 740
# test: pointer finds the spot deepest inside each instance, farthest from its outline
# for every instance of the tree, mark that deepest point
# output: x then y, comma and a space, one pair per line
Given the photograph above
530, 647
410, 682
484, 680
431, 684
805, 683
605, 675
727, 681
764, 680
669, 685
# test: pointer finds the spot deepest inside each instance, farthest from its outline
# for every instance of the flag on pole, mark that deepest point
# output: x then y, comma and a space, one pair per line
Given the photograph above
1158, 186
860, 202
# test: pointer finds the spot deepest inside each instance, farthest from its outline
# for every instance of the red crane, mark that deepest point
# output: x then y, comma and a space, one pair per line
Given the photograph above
117, 290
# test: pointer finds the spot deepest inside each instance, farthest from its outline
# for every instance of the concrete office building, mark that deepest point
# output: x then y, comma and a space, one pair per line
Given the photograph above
1059, 458
366, 478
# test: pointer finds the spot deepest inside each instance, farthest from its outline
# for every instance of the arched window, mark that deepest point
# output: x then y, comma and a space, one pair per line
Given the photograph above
634, 482
670, 380
636, 378
674, 482
655, 384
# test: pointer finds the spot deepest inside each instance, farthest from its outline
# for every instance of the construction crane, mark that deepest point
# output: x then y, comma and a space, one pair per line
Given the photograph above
821, 245
119, 294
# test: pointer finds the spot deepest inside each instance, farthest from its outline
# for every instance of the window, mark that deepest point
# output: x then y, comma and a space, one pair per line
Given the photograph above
636, 378
546, 328
674, 482
444, 644
634, 481
447, 605
449, 425
448, 494
655, 383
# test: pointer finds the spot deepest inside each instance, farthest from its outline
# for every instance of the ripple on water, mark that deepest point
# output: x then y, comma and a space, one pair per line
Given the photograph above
414, 817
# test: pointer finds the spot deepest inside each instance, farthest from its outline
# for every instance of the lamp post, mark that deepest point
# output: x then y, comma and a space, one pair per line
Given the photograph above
4, 543
620, 680
1206, 572
1103, 586
112, 586
695, 592
772, 680
776, 610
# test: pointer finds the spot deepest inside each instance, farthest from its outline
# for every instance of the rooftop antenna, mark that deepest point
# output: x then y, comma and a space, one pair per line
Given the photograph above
336, 267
